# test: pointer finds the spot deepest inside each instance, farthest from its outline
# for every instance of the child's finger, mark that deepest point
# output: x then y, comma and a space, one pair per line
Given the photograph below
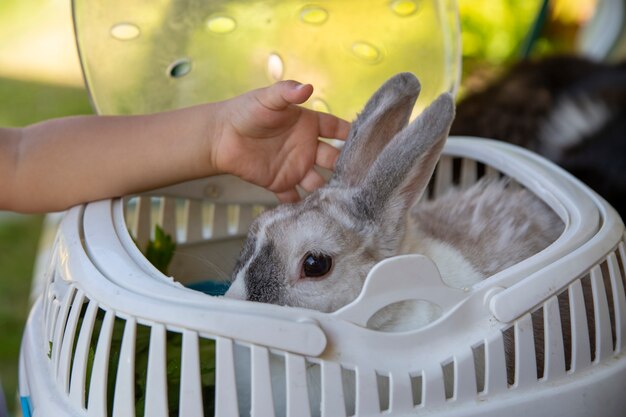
332, 127
312, 181
289, 196
326, 155
280, 95
294, 92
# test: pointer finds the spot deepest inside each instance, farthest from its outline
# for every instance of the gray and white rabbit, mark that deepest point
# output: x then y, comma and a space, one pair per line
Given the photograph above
317, 253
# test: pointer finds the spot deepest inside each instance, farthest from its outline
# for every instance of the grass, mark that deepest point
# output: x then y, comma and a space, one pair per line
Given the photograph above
18, 245
29, 102
24, 103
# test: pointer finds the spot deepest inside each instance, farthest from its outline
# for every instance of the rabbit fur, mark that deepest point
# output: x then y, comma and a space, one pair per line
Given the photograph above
366, 213
569, 109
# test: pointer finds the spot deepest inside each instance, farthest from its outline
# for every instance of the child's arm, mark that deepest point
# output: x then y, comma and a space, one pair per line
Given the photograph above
260, 136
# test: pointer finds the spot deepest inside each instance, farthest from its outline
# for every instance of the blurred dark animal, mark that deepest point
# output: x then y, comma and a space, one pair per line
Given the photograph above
568, 109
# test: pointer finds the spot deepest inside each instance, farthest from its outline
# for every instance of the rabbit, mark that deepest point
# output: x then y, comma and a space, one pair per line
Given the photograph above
317, 253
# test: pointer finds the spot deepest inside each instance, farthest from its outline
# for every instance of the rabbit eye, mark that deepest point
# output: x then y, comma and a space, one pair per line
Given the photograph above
316, 265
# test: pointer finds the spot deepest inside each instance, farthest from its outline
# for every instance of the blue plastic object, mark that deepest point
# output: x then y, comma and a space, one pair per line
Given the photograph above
27, 408
210, 287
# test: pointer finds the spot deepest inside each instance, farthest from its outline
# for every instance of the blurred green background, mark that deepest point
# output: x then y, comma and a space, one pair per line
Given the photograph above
40, 78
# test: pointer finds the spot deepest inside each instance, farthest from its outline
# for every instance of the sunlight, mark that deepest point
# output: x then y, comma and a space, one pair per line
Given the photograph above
37, 42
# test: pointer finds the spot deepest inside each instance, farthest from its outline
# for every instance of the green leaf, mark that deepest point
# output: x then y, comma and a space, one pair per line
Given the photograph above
160, 251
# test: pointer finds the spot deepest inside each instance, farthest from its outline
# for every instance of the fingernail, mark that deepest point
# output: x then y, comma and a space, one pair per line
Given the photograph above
299, 85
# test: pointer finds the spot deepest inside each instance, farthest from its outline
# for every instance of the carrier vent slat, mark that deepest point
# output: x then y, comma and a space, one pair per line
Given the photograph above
581, 348
619, 302
52, 316
208, 210
495, 365
142, 222
193, 220
46, 300
219, 225
382, 381
417, 387
367, 402
49, 300
449, 370
433, 393
60, 320
167, 216
48, 297
244, 218
81, 356
604, 338
156, 381
348, 380
262, 403
622, 255
554, 350
525, 359
478, 352
401, 396
226, 390
124, 404
464, 376
99, 374
468, 173
491, 172
278, 375
190, 384
65, 358
297, 392
333, 404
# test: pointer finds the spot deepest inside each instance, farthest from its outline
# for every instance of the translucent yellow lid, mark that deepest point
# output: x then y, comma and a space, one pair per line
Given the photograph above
152, 55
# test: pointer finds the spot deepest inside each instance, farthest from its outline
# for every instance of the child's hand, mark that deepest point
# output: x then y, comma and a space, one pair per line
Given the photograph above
268, 140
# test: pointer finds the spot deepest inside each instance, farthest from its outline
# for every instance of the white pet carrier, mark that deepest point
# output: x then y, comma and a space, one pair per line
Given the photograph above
457, 365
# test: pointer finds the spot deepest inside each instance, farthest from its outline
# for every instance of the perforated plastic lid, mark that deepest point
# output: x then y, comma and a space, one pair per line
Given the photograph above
146, 56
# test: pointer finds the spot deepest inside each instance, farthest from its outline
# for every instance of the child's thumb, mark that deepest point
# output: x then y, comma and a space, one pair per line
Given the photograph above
280, 95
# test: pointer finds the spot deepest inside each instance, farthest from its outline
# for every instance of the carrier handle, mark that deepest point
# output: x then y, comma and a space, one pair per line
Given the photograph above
401, 278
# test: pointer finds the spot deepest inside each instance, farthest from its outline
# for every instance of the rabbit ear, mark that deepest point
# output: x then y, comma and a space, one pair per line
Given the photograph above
401, 173
384, 115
